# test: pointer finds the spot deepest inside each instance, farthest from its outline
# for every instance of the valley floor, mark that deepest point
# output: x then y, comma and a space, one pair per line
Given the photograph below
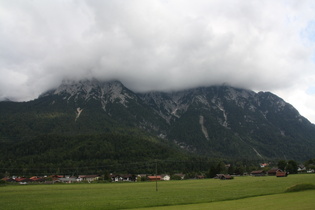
248, 192
289, 201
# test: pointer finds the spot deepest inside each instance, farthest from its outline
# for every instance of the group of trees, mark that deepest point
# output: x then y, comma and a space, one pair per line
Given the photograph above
290, 166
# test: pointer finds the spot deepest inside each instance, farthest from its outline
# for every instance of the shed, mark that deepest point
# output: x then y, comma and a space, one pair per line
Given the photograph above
272, 172
224, 176
258, 173
281, 173
154, 178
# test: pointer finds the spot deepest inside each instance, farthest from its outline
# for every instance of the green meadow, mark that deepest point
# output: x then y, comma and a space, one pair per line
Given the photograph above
239, 193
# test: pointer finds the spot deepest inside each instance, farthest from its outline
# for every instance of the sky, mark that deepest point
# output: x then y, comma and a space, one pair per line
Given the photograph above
160, 45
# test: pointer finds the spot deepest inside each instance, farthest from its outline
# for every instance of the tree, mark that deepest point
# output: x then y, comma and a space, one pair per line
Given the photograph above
175, 177
292, 167
282, 164
239, 170
221, 169
212, 172
231, 169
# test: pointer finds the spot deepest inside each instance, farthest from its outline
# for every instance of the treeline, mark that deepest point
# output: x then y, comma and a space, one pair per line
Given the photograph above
112, 151
130, 153
127, 153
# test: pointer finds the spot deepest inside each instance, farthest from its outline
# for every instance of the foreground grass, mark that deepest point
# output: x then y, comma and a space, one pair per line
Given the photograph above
288, 201
139, 195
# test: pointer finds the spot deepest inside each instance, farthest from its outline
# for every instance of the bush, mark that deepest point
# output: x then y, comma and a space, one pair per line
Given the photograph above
300, 187
176, 177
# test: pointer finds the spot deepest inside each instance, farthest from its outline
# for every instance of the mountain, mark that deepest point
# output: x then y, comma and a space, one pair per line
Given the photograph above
231, 122
215, 122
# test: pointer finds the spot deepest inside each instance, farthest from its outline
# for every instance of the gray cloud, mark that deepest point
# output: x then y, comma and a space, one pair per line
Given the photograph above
156, 45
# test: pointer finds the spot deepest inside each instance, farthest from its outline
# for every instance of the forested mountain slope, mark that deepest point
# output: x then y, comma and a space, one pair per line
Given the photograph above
215, 121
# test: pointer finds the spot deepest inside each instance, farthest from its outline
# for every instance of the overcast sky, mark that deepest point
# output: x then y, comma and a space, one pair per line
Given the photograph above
160, 45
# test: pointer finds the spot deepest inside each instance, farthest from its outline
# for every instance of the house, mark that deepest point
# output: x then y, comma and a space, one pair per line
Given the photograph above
7, 179
37, 179
23, 180
223, 176
68, 179
165, 177
154, 178
258, 173
123, 178
301, 168
128, 178
281, 173
55, 178
182, 176
88, 178
141, 177
272, 172
277, 172
263, 165
115, 177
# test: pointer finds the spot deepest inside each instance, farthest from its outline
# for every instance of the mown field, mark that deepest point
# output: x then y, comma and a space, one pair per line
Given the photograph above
288, 201
249, 192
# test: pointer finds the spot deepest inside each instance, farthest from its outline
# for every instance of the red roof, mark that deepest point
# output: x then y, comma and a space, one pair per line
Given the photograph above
20, 179
154, 177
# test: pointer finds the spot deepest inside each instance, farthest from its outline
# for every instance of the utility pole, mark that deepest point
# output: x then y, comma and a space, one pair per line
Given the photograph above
156, 185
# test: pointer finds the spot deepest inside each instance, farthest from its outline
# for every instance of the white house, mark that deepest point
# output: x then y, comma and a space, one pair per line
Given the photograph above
166, 177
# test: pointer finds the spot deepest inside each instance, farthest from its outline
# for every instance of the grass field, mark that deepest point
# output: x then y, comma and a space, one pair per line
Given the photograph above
288, 201
209, 193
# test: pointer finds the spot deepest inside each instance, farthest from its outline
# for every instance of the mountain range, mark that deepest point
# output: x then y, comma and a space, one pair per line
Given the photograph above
214, 121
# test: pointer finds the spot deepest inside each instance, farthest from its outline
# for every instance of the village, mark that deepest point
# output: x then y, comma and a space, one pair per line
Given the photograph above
52, 179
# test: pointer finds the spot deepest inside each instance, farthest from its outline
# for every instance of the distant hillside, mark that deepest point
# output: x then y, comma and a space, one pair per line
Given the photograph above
214, 122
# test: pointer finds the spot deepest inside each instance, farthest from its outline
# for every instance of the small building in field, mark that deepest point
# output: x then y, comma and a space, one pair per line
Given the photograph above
68, 180
281, 173
182, 176
37, 179
154, 178
223, 176
23, 180
88, 178
263, 165
301, 168
272, 172
123, 178
200, 177
258, 173
166, 177
8, 179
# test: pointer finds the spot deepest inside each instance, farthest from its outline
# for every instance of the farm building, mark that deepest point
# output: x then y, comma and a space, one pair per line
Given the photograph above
89, 178
182, 176
224, 176
166, 177
272, 172
258, 173
68, 179
154, 178
123, 178
281, 173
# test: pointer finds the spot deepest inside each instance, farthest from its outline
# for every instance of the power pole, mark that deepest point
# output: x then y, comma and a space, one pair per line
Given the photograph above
156, 185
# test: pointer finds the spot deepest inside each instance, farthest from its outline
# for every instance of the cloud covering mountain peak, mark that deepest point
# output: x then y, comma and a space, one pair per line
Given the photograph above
156, 45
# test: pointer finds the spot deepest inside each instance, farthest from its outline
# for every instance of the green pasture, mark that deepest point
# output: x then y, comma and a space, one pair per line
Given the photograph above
288, 201
170, 194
